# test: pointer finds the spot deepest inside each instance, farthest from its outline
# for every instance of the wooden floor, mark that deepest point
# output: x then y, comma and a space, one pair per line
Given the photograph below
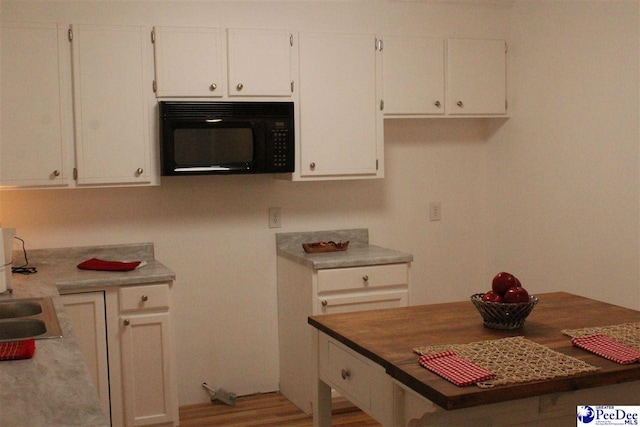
264, 410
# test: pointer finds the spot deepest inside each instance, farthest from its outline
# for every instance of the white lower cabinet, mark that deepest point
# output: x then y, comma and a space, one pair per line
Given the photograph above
135, 336
87, 314
304, 291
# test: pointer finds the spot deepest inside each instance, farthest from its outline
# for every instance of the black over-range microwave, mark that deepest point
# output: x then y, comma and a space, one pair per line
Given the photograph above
226, 137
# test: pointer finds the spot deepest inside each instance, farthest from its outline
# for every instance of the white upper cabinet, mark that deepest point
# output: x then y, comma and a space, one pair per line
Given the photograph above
189, 61
113, 74
212, 62
259, 62
413, 75
37, 123
426, 77
476, 74
341, 133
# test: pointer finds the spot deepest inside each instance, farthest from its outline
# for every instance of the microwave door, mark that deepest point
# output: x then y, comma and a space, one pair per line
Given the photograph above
216, 147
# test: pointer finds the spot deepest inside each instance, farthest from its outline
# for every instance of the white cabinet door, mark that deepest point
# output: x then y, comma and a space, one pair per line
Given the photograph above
112, 89
413, 76
340, 117
37, 126
189, 62
87, 314
259, 62
476, 76
146, 369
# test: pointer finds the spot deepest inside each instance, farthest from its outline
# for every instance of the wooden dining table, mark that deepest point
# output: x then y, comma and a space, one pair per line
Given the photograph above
393, 387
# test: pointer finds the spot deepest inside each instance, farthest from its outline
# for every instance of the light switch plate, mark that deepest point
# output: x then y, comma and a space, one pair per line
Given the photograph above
435, 211
275, 217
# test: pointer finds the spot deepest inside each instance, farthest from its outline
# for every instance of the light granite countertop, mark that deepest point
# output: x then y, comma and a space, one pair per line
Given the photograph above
54, 387
359, 252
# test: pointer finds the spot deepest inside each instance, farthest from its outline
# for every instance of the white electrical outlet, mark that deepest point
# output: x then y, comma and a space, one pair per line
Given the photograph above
435, 211
275, 217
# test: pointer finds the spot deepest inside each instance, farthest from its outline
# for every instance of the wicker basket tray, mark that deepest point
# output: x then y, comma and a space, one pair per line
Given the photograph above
316, 247
503, 315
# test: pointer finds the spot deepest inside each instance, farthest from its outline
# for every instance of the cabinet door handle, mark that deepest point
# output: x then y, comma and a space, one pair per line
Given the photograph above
239, 87
345, 373
56, 172
437, 104
324, 303
126, 322
312, 165
144, 298
365, 278
460, 104
139, 171
213, 87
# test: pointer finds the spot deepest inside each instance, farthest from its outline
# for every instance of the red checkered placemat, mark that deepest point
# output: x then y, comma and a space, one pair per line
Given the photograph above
513, 360
455, 369
14, 350
608, 348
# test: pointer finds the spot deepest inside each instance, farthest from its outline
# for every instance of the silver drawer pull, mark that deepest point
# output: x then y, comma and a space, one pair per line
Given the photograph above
365, 278
144, 298
345, 374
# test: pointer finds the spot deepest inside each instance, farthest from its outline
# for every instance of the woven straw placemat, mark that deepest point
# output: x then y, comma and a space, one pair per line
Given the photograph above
626, 333
514, 360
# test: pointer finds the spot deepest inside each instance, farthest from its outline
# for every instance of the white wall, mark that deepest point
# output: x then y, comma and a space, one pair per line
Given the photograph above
213, 230
564, 170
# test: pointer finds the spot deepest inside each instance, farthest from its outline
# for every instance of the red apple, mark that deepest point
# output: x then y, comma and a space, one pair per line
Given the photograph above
491, 296
516, 294
502, 282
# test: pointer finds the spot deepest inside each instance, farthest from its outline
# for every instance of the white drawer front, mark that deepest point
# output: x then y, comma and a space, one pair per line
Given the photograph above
147, 297
335, 279
362, 301
347, 372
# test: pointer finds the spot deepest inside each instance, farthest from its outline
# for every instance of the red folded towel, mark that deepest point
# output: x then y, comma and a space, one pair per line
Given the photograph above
13, 350
102, 265
608, 348
455, 369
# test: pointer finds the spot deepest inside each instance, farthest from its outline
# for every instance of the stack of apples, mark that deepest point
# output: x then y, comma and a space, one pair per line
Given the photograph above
506, 287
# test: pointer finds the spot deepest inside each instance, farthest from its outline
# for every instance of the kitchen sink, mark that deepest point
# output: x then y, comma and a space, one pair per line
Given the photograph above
28, 318
17, 308
13, 330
